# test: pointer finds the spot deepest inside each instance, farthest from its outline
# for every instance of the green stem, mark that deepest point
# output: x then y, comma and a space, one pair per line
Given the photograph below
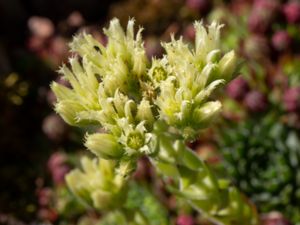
197, 184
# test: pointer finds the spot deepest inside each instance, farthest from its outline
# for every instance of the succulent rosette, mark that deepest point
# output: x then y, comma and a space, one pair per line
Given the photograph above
263, 160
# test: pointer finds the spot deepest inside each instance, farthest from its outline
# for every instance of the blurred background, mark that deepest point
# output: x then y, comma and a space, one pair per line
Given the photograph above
255, 142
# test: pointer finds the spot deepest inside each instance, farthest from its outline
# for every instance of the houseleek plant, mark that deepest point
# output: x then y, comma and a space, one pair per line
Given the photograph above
149, 108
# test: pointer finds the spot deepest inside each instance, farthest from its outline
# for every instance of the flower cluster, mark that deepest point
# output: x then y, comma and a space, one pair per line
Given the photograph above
148, 108
190, 77
97, 184
116, 87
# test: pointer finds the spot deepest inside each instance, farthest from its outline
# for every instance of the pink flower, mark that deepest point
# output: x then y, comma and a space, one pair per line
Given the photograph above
189, 33
281, 40
291, 99
41, 26
48, 214
202, 6
143, 170
58, 174
185, 220
291, 11
56, 159
237, 88
262, 15
44, 196
274, 218
58, 167
256, 101
256, 47
153, 47
54, 128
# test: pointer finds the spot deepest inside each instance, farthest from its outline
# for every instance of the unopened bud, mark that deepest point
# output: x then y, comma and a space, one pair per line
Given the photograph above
75, 181
61, 92
68, 110
103, 199
205, 113
104, 146
228, 65
213, 56
140, 62
144, 112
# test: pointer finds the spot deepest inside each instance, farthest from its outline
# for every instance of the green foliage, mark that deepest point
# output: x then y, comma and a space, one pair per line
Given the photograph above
292, 69
196, 183
263, 158
141, 199
140, 208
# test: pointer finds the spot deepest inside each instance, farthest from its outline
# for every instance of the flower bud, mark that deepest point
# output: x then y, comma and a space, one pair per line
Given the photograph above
103, 199
139, 63
291, 11
144, 112
228, 65
130, 109
97, 184
213, 56
68, 110
76, 182
104, 146
206, 112
209, 73
281, 40
61, 91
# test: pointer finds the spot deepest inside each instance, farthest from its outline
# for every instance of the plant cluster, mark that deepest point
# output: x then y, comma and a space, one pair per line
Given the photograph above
148, 108
264, 98
263, 159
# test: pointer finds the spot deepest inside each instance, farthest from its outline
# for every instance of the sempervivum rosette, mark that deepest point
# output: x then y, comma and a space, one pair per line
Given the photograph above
263, 158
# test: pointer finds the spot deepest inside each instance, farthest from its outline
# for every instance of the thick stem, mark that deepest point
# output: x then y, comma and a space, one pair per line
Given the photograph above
195, 182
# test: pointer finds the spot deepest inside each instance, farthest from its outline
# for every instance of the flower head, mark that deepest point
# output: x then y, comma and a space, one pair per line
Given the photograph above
192, 75
116, 87
96, 184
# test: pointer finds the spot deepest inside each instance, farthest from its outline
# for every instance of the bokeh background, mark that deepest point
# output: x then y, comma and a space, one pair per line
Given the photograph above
255, 142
